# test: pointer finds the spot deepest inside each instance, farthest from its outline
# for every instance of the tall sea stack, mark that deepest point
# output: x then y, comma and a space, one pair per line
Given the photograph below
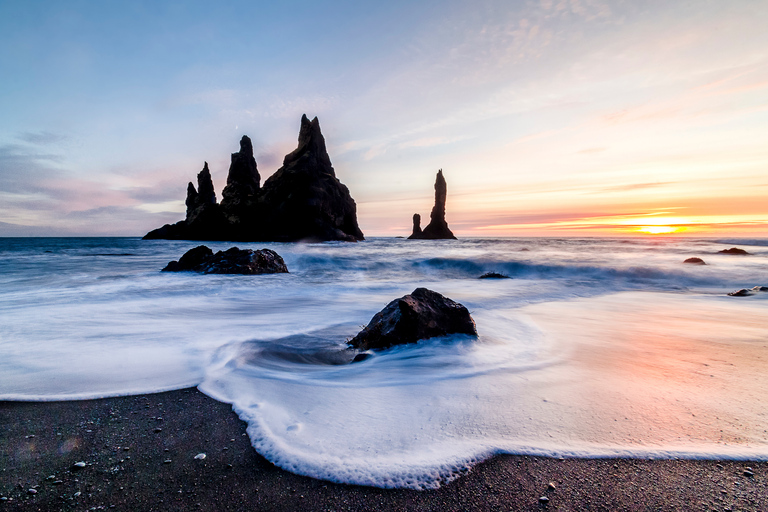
302, 201
437, 229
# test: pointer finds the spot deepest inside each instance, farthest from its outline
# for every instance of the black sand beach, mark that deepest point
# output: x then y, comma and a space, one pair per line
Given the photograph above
139, 454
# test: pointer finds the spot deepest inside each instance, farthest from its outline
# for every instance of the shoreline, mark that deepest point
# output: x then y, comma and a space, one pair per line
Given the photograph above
139, 454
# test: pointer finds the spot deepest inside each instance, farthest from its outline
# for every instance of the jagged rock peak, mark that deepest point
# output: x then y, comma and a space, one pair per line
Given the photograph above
311, 148
192, 199
437, 229
441, 191
205, 191
243, 179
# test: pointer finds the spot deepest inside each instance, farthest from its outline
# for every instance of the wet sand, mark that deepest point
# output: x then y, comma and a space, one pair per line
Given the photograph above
139, 454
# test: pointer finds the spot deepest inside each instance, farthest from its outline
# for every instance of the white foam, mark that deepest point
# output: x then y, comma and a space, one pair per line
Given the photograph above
623, 375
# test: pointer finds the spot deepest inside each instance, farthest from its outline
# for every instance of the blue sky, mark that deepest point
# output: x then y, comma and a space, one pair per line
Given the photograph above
547, 117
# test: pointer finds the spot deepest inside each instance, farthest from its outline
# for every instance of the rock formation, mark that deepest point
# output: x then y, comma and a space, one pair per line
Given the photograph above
232, 261
493, 275
746, 292
437, 229
422, 314
695, 261
302, 201
734, 250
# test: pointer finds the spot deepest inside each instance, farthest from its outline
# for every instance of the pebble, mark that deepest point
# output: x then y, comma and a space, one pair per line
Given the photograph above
31, 491
78, 466
551, 486
78, 493
167, 461
200, 456
544, 500
158, 429
748, 473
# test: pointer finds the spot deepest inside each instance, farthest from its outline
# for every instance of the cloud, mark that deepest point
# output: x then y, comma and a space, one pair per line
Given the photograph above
43, 138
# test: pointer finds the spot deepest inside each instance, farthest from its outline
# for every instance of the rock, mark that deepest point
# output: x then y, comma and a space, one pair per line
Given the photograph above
543, 500
31, 491
748, 473
695, 261
200, 456
304, 200
77, 466
191, 260
733, 250
417, 233
551, 486
745, 292
421, 315
301, 201
232, 261
243, 178
437, 229
493, 275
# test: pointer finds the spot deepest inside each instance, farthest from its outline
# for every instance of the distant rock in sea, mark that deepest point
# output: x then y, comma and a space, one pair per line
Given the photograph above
733, 250
745, 292
695, 261
421, 315
437, 229
301, 201
493, 275
232, 261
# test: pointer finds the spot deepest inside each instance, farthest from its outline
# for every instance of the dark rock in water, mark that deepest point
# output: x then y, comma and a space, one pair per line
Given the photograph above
422, 314
695, 261
493, 275
437, 229
304, 200
745, 292
733, 250
243, 177
417, 233
301, 201
193, 259
231, 261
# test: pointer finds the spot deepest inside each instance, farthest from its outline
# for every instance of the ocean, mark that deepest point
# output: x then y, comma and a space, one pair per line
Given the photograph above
594, 347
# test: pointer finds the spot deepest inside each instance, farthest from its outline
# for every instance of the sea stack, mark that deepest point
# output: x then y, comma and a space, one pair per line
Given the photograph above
437, 229
302, 201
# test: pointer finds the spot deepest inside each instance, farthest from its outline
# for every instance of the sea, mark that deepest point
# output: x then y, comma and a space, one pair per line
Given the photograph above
594, 347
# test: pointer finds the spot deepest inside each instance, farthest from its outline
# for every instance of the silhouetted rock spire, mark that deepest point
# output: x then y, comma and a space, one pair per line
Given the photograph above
303, 200
437, 228
416, 226
243, 178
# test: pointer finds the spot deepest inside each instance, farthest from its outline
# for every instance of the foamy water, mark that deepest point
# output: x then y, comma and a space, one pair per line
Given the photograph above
593, 348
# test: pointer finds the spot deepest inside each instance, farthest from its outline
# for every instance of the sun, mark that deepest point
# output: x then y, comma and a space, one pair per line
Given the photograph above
660, 230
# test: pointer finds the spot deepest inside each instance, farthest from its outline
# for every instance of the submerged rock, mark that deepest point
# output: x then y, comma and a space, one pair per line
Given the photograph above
733, 250
695, 261
232, 261
422, 314
301, 201
745, 292
437, 229
493, 275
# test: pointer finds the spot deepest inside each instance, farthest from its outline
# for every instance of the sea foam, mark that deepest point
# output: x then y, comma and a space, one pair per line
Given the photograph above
595, 347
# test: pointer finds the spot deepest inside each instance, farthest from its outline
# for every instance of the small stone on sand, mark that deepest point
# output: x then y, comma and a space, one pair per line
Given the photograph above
200, 456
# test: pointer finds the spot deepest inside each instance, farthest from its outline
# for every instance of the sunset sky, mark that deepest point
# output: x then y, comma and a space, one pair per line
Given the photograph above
550, 117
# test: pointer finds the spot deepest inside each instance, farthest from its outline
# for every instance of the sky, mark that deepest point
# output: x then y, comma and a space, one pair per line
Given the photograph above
547, 117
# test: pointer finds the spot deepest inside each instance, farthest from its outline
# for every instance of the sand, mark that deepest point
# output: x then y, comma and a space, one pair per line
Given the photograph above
139, 454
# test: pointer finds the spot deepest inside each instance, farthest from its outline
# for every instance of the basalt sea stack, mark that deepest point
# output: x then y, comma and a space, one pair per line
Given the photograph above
301, 201
437, 229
